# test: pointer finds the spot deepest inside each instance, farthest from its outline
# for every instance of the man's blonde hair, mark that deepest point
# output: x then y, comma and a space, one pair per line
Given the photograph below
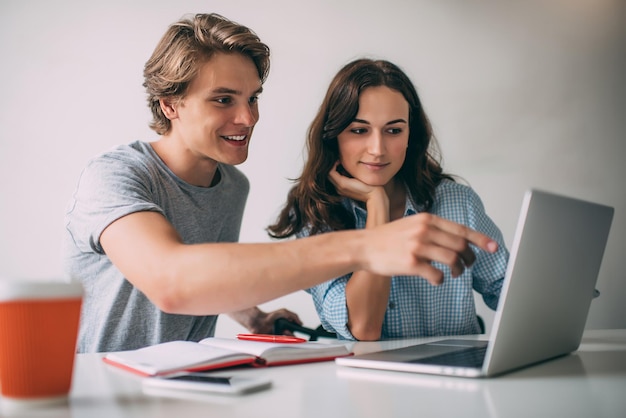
186, 45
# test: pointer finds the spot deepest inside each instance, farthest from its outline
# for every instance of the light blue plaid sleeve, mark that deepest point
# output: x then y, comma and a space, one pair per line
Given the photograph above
329, 299
462, 204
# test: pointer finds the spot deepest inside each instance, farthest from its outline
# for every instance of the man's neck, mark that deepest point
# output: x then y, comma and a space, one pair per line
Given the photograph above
201, 172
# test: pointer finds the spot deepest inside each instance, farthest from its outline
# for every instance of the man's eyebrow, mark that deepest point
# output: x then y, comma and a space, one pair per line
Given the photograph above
226, 90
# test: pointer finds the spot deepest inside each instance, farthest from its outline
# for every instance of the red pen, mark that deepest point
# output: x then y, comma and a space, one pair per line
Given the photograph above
269, 338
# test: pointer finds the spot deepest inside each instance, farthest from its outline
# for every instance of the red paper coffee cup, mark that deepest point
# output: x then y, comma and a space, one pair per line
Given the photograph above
38, 331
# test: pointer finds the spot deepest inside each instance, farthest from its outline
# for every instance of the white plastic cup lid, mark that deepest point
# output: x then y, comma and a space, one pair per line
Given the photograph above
11, 290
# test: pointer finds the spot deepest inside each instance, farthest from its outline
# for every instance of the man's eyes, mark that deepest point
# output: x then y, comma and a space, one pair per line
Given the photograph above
224, 100
229, 100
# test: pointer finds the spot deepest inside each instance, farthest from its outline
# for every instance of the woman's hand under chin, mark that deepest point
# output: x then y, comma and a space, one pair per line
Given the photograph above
353, 188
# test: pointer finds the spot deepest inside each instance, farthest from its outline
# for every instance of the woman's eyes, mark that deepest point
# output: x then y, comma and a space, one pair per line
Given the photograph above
361, 131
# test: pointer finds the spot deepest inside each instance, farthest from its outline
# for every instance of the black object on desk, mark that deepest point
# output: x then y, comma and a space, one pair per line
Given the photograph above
281, 325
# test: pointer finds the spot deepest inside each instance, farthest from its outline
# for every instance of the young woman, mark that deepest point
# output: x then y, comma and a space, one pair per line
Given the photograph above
372, 159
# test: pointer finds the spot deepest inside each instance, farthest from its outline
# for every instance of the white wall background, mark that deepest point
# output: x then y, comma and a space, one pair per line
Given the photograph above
529, 94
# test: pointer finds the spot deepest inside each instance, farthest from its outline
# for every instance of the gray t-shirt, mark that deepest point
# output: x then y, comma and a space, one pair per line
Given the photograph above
132, 178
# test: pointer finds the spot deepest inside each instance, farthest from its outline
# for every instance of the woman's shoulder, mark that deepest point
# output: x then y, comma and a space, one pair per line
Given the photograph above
454, 199
449, 189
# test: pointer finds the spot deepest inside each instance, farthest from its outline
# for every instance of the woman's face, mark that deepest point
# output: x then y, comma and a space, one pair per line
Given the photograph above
373, 147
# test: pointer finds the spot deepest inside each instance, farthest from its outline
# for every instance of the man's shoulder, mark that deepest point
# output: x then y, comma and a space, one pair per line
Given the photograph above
134, 151
234, 175
122, 158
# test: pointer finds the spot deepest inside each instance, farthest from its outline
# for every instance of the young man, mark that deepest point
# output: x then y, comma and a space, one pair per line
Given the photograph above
152, 227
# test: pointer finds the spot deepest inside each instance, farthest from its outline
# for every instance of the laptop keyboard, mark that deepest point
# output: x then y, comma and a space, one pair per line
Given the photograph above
469, 357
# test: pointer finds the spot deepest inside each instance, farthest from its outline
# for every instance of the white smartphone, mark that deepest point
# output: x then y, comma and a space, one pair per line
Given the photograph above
207, 383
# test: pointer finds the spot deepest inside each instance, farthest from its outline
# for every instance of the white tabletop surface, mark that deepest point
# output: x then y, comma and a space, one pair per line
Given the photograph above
588, 383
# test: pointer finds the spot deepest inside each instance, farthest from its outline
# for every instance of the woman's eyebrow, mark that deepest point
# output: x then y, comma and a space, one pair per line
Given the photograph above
391, 122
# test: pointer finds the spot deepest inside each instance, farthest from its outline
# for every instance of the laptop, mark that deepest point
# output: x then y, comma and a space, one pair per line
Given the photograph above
546, 294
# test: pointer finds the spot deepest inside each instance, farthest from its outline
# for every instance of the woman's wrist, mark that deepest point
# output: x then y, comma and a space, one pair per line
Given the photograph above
377, 208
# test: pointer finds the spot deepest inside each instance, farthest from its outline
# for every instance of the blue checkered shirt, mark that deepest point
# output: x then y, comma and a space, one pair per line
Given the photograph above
415, 307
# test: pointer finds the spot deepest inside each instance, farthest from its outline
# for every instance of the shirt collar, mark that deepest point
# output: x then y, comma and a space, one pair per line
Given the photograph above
359, 213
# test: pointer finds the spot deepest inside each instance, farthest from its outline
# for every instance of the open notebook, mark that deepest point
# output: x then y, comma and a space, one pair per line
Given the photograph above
547, 291
217, 353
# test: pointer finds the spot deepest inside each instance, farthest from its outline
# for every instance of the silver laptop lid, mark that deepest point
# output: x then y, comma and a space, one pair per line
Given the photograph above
551, 275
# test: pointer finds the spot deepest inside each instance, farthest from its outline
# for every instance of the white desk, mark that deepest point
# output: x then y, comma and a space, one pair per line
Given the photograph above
588, 383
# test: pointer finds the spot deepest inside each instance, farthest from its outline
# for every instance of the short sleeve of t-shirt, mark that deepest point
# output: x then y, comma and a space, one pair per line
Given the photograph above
110, 187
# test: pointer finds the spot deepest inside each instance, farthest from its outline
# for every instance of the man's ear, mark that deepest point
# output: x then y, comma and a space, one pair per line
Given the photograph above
169, 108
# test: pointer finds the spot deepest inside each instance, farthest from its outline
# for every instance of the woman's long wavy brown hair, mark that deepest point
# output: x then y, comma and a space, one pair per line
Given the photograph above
313, 201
